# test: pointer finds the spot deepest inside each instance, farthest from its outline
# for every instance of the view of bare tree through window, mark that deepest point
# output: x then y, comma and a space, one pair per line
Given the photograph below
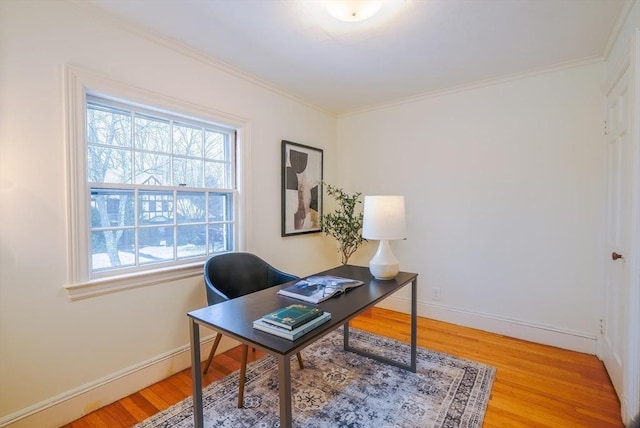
162, 187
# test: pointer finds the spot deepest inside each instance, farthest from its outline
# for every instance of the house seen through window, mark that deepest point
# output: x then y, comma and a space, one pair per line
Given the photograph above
162, 187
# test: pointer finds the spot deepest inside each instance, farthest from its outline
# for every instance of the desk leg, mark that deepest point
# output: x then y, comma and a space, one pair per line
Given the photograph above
412, 366
284, 388
414, 324
345, 336
196, 374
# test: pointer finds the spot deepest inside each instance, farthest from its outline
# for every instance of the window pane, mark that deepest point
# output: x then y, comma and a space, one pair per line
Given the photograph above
112, 249
191, 207
153, 169
191, 241
111, 208
108, 165
215, 146
155, 207
187, 140
108, 126
220, 238
153, 134
187, 172
155, 244
220, 207
215, 175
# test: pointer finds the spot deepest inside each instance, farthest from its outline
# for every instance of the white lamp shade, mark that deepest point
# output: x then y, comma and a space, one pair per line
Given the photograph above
384, 217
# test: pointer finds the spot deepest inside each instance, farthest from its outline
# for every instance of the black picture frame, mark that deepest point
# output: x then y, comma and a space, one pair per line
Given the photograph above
301, 188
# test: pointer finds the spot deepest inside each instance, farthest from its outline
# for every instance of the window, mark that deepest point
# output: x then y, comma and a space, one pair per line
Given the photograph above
162, 188
155, 185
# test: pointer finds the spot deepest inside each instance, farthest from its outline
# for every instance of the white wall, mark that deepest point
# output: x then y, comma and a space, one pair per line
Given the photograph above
52, 349
502, 186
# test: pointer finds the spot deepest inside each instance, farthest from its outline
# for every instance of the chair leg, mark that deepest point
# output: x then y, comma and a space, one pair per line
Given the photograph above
243, 376
212, 353
300, 360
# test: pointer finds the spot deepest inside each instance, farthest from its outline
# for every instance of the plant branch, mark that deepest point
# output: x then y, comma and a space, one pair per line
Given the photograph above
345, 223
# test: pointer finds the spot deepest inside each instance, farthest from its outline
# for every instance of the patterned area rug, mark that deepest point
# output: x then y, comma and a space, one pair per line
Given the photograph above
343, 389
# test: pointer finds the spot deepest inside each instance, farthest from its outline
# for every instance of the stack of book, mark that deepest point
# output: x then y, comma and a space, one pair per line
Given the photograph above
292, 321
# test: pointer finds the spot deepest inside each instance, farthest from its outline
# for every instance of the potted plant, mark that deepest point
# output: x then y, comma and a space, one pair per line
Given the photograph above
345, 223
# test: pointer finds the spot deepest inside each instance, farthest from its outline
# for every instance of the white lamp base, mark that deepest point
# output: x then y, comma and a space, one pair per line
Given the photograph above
384, 265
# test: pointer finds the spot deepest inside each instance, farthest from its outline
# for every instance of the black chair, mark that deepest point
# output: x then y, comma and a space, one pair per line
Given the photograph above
231, 275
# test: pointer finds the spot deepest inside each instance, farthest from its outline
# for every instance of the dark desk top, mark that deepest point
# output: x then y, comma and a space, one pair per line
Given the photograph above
235, 317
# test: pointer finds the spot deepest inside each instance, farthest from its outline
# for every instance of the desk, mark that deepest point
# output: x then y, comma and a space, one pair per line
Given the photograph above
235, 318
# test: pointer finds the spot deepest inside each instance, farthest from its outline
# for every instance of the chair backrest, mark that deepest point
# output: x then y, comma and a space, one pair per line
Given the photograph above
231, 275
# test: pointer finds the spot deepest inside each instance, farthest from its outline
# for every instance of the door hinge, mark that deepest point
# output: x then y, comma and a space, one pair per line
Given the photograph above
605, 128
601, 326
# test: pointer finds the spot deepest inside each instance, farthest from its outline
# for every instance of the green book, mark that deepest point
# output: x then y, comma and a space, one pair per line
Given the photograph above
296, 332
292, 316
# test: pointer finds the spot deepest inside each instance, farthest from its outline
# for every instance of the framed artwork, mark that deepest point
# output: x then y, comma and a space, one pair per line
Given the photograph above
301, 188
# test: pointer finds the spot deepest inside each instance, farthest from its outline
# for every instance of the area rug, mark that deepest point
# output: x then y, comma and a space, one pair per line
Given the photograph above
343, 389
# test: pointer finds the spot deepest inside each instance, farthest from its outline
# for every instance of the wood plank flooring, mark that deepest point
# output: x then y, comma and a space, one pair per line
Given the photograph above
535, 385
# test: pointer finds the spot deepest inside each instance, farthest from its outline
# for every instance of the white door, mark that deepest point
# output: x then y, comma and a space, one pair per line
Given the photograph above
618, 231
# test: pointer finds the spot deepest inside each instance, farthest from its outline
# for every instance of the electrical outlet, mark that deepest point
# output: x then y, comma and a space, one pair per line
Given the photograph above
435, 293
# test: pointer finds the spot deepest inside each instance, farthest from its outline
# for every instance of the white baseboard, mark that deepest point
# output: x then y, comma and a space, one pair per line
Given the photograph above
71, 405
546, 335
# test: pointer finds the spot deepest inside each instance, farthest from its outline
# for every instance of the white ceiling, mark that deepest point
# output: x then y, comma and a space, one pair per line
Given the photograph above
424, 47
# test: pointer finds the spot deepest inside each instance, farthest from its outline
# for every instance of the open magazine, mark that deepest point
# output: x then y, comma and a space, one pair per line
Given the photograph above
316, 289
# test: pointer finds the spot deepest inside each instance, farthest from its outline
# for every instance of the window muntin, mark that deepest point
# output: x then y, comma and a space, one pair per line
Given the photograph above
162, 188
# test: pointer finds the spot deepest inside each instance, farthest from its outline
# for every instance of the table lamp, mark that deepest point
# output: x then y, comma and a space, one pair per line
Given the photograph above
384, 220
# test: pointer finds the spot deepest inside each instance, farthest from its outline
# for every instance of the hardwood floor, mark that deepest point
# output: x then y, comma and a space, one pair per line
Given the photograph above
535, 385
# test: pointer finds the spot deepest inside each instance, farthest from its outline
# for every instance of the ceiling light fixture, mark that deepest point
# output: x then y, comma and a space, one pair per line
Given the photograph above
353, 10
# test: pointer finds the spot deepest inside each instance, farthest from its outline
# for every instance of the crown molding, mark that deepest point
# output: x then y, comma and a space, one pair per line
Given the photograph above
617, 27
477, 85
188, 51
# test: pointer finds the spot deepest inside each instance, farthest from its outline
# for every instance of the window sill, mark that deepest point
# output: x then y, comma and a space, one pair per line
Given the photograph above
114, 284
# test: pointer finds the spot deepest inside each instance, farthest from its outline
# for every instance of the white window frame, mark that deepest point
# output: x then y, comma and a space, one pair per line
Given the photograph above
79, 83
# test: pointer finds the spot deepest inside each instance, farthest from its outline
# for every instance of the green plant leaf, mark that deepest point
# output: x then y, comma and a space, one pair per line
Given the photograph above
345, 223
